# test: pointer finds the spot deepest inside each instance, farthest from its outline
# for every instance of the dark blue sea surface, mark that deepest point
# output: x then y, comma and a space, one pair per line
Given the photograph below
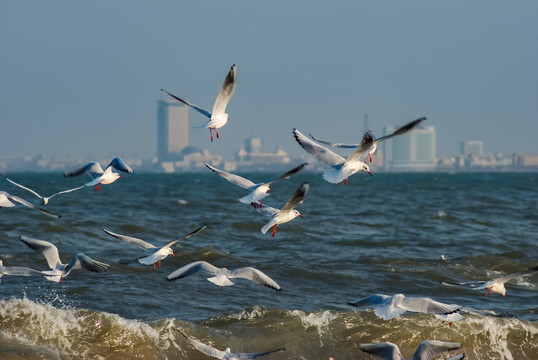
383, 234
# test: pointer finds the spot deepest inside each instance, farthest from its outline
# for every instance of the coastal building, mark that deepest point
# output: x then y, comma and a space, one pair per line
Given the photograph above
413, 151
172, 130
251, 157
472, 147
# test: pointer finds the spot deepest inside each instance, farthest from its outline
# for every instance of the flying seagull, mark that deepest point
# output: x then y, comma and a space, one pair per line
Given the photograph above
218, 116
44, 199
428, 349
226, 354
341, 168
287, 213
157, 253
60, 270
258, 191
99, 176
7, 200
391, 307
372, 150
494, 285
222, 275
17, 271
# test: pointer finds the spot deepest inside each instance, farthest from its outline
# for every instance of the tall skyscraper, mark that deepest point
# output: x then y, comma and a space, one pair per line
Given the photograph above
172, 130
471, 147
414, 150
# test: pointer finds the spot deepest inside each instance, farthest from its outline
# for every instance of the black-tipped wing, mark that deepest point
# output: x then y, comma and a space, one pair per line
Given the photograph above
120, 165
93, 168
385, 350
316, 150
30, 205
204, 348
186, 236
192, 268
366, 143
256, 276
372, 300
81, 261
144, 245
518, 274
234, 179
402, 130
226, 92
288, 174
428, 349
297, 198
49, 250
197, 108
428, 306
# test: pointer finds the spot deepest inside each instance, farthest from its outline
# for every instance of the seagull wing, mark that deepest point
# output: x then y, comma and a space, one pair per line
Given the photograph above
25, 188
49, 250
225, 93
429, 349
338, 145
30, 205
191, 269
144, 245
186, 236
316, 150
287, 174
18, 271
470, 284
93, 168
297, 198
197, 108
516, 275
66, 191
81, 261
265, 210
255, 355
385, 350
206, 349
234, 179
254, 275
366, 143
402, 130
429, 306
120, 165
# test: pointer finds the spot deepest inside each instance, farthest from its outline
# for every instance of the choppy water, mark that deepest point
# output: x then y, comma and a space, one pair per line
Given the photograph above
380, 234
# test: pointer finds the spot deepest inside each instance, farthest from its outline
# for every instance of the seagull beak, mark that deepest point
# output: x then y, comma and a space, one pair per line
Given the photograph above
269, 190
370, 173
300, 215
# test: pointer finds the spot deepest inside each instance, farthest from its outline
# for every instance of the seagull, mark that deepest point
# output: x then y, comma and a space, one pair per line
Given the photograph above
226, 354
391, 307
44, 199
258, 191
287, 213
157, 253
17, 271
428, 349
342, 168
222, 275
218, 116
60, 270
373, 148
6, 200
494, 285
99, 176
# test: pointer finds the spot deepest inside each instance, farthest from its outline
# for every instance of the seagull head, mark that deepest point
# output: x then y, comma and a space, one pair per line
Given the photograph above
297, 213
366, 168
171, 252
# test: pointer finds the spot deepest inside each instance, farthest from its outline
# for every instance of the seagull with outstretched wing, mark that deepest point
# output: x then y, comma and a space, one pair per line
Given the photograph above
100, 176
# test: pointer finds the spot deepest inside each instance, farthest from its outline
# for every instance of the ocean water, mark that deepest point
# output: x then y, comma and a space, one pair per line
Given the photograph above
381, 234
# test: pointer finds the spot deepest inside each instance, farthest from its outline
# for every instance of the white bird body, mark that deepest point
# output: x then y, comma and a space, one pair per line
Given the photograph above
17, 271
391, 307
100, 177
287, 213
368, 154
428, 349
222, 276
341, 168
257, 191
493, 285
227, 353
60, 270
157, 253
8, 200
44, 199
218, 116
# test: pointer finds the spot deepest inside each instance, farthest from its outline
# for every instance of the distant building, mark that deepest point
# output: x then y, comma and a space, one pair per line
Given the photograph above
412, 151
251, 156
472, 147
172, 130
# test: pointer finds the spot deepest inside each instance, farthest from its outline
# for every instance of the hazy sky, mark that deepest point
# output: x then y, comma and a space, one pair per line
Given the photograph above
82, 78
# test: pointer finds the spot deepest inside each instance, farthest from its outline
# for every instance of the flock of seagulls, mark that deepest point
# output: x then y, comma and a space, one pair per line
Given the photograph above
384, 306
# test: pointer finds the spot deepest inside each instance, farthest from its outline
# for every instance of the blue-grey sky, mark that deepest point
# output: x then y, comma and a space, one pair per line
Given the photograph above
82, 78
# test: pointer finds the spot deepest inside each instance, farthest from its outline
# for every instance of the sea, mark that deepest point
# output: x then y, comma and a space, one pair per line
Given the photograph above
388, 233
